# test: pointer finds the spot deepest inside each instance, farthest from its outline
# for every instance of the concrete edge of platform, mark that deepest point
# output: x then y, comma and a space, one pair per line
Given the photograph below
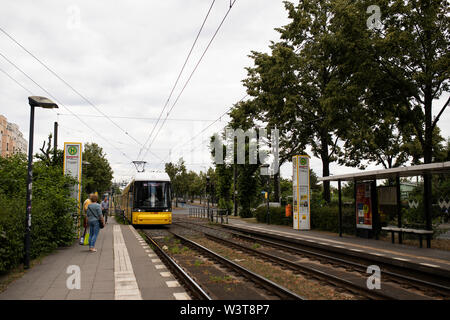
435, 270
178, 292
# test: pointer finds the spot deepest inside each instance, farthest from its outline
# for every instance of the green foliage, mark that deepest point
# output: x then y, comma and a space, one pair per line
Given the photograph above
52, 223
97, 176
326, 218
277, 215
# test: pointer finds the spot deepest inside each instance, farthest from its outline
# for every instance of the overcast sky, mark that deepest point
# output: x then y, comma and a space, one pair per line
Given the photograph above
124, 56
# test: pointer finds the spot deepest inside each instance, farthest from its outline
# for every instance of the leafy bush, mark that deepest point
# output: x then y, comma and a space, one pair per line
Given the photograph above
52, 224
327, 218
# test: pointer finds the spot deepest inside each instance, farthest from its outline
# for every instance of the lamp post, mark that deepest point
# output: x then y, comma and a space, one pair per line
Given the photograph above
45, 103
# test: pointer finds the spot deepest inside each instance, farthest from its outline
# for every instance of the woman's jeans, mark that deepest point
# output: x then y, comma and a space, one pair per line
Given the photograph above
94, 229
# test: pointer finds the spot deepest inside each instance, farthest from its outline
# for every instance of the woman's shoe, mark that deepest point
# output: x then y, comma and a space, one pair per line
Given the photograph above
94, 250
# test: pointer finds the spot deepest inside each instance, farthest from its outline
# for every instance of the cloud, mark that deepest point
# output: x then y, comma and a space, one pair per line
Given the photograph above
125, 57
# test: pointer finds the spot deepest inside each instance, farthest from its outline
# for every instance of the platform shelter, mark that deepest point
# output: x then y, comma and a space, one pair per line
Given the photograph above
367, 217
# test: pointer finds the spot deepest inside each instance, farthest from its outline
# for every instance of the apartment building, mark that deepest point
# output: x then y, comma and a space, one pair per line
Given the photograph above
12, 140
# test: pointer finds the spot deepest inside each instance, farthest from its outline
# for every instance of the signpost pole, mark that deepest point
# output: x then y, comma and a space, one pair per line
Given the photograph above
399, 207
340, 208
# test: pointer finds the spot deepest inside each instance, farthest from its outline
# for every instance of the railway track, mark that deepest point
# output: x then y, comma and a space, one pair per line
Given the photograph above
195, 290
395, 285
194, 287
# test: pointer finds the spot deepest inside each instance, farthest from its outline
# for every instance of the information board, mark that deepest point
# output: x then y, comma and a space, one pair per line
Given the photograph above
72, 167
363, 206
301, 193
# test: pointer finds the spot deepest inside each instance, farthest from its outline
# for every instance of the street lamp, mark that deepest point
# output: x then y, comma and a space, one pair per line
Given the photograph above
46, 104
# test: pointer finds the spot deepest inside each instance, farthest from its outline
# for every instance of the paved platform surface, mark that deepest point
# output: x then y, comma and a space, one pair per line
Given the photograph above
432, 258
124, 267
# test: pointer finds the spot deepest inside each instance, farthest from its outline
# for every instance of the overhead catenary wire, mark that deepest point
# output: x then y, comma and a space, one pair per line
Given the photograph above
68, 85
60, 104
139, 118
178, 78
207, 127
190, 76
17, 82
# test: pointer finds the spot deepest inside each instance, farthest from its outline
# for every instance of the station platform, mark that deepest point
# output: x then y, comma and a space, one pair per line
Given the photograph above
123, 268
424, 259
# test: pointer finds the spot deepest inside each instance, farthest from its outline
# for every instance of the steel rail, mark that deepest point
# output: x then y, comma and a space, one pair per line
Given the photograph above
438, 288
266, 283
190, 283
361, 267
307, 269
406, 268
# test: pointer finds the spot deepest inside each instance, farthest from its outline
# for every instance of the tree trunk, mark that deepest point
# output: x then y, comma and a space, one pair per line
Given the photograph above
325, 168
428, 157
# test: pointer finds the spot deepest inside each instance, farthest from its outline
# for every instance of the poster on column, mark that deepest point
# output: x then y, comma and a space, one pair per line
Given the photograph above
363, 206
301, 193
72, 167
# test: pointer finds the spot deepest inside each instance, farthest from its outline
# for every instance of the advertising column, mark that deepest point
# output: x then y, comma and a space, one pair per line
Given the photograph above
301, 193
72, 167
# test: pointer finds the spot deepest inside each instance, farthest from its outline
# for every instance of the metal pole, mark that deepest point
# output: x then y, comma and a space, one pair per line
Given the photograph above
355, 210
268, 214
234, 190
55, 141
340, 208
29, 189
376, 224
399, 207
427, 194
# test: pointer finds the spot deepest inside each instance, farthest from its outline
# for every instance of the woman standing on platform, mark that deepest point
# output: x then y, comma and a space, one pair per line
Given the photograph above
95, 217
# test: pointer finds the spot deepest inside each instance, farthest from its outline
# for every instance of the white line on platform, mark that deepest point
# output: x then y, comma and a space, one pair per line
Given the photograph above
172, 284
125, 285
377, 254
156, 260
401, 259
429, 265
160, 266
165, 274
181, 296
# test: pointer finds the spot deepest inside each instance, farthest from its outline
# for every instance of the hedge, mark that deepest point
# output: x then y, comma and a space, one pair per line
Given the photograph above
324, 218
51, 223
277, 215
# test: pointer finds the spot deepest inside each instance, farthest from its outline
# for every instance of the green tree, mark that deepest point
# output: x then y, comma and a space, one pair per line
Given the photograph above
294, 87
97, 175
179, 179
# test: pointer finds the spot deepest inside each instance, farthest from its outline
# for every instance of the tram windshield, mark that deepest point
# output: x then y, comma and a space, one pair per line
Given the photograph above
151, 195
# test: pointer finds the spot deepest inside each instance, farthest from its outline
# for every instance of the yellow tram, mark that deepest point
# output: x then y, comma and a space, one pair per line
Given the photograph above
147, 199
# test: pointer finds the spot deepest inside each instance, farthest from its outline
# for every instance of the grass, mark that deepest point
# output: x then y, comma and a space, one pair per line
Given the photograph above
256, 245
121, 220
16, 273
218, 279
174, 250
198, 263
